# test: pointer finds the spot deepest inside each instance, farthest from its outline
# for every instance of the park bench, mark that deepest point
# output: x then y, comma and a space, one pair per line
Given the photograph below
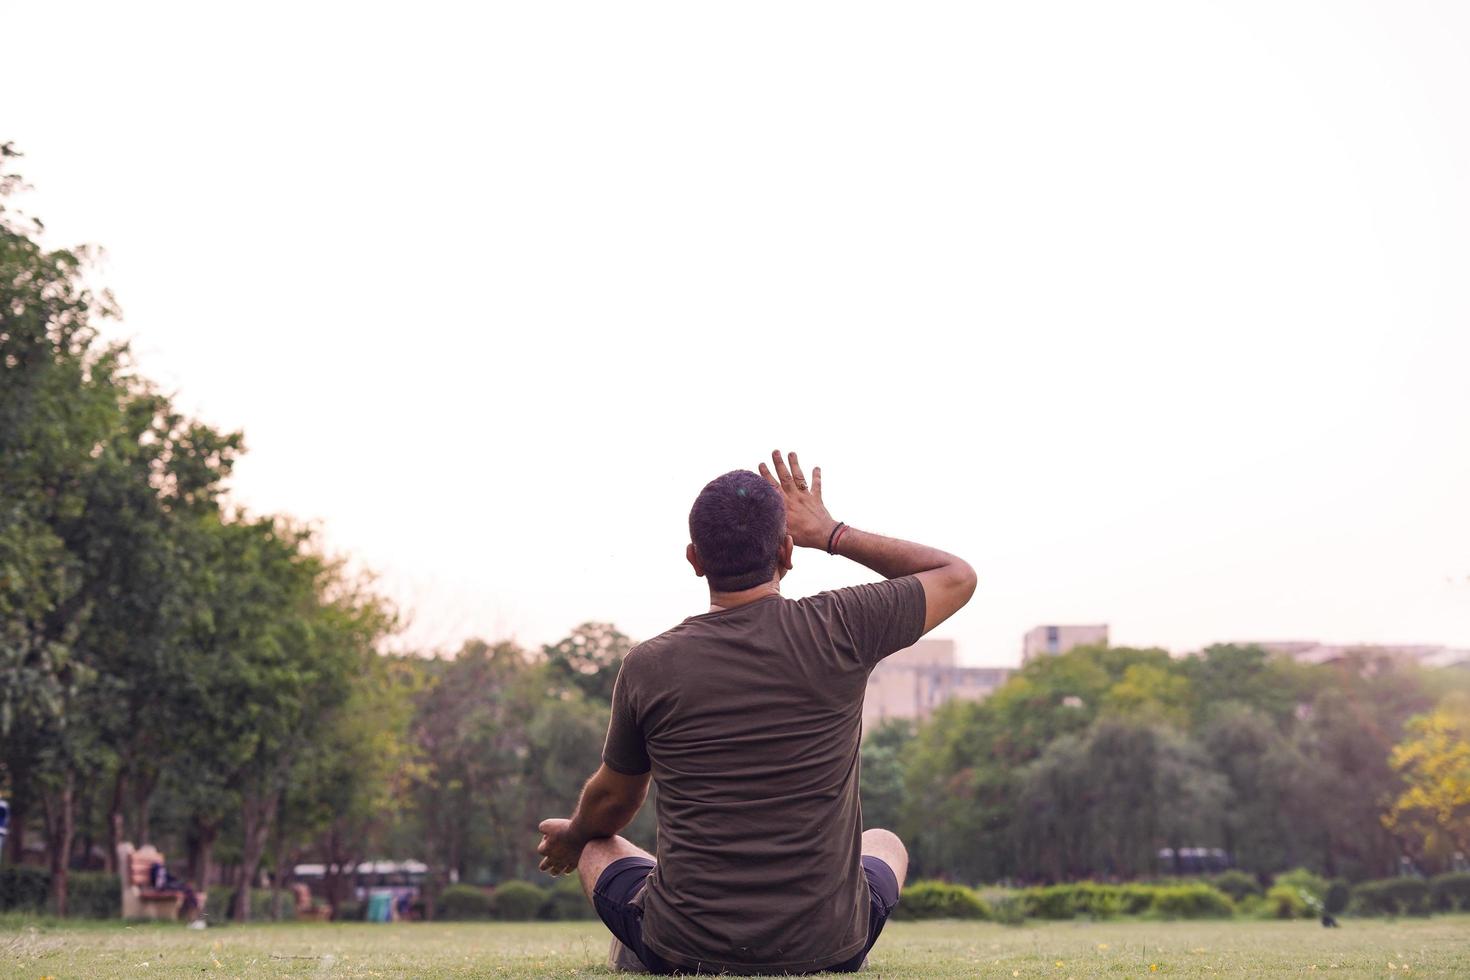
307, 908
139, 899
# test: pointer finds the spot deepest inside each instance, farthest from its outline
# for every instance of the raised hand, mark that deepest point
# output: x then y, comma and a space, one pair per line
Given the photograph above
807, 520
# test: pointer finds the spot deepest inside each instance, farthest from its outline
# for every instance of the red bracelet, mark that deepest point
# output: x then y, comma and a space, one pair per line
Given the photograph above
837, 534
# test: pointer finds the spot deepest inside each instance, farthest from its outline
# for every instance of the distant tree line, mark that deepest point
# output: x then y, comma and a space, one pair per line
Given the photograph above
1092, 763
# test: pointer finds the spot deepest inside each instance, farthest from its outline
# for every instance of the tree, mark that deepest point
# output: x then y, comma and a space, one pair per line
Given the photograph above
98, 469
588, 659
882, 787
1107, 802
1432, 815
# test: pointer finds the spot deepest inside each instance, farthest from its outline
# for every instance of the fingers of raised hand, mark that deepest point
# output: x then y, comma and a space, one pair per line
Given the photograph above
782, 473
797, 476
765, 472
817, 482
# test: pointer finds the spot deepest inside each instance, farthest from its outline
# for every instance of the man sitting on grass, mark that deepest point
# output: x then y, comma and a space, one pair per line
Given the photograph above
749, 718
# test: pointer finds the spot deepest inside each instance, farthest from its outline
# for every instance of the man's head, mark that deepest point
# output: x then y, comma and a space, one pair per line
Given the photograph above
737, 527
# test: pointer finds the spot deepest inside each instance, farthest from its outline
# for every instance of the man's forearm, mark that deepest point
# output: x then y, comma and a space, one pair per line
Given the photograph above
605, 809
892, 557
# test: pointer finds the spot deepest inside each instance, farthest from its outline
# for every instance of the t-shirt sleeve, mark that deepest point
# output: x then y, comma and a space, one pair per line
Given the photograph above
624, 750
881, 618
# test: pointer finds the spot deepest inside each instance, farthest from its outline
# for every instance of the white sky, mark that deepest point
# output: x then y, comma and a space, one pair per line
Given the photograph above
1156, 312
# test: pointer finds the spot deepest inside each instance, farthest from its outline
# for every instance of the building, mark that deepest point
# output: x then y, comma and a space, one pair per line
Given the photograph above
913, 682
1048, 640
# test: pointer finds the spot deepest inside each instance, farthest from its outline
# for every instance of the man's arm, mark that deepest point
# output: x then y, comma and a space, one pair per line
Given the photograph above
609, 802
948, 582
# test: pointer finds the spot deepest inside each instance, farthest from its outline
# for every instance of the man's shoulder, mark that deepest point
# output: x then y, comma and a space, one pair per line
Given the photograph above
646, 653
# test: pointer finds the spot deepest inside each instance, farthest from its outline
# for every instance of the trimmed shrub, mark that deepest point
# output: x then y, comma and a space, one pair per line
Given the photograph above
940, 900
1135, 899
1392, 896
1285, 902
518, 901
1300, 878
1339, 893
566, 901
1236, 884
465, 903
1096, 901
1252, 907
1192, 902
1008, 910
217, 907
1450, 892
1052, 902
93, 895
23, 889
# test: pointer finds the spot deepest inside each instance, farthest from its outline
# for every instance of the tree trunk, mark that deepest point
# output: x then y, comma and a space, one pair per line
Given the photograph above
143, 788
255, 819
60, 828
278, 879
15, 843
115, 819
201, 854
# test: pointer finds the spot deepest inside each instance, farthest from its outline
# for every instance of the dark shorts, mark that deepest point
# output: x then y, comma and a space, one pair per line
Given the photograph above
622, 881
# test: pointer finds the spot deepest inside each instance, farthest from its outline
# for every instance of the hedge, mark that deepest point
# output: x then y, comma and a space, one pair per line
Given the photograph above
518, 901
1196, 901
940, 900
465, 903
566, 901
24, 889
93, 895
1286, 902
1392, 896
1450, 892
1303, 880
1236, 884
1051, 902
217, 905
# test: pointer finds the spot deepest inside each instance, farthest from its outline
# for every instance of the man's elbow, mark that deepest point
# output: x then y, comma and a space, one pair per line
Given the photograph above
965, 580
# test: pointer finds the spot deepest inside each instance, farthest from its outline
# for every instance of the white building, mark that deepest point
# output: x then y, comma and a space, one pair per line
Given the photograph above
913, 682
1050, 640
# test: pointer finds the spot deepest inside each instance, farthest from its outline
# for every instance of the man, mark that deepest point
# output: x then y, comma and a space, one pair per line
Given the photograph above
749, 718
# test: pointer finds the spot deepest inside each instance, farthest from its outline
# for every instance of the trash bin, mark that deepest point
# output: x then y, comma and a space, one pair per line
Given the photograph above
380, 905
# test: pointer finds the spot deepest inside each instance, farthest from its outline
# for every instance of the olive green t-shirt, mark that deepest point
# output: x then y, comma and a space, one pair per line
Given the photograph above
750, 719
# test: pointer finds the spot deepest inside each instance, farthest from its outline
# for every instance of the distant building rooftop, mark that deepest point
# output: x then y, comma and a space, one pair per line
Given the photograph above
915, 681
1044, 641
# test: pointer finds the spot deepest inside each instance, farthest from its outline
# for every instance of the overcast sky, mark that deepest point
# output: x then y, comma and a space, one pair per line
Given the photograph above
1158, 313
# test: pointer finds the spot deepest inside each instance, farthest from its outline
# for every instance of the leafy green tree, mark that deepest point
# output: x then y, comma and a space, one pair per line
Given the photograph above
1268, 824
882, 787
588, 659
99, 471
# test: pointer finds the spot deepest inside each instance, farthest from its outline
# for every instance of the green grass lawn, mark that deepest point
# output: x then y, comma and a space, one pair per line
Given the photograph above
1438, 946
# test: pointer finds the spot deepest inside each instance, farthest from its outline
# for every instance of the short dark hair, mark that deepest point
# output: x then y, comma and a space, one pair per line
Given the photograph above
738, 524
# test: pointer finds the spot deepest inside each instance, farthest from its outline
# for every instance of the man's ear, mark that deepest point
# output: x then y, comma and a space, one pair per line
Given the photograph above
693, 557
787, 547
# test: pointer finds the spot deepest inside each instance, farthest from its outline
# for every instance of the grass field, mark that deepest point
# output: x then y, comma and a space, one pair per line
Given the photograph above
1439, 946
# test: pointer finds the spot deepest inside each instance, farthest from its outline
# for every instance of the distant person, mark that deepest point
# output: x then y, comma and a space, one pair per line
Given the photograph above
749, 716
160, 878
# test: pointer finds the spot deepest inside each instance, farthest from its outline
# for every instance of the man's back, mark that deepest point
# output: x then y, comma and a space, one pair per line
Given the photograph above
750, 719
